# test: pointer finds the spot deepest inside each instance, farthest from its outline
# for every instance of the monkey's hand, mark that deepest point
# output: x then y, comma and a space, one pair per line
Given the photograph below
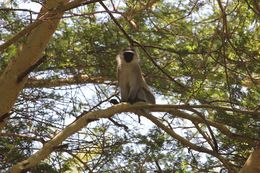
114, 101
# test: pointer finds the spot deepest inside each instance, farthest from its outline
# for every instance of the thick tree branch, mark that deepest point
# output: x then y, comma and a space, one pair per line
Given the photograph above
27, 57
78, 124
22, 33
48, 15
86, 118
30, 69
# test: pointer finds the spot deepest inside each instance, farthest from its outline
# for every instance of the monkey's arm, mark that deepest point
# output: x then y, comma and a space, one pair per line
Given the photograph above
122, 83
135, 84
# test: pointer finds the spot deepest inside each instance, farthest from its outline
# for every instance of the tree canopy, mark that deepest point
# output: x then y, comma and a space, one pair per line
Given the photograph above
201, 59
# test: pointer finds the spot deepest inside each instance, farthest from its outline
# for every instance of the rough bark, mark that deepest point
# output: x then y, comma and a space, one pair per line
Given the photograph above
29, 54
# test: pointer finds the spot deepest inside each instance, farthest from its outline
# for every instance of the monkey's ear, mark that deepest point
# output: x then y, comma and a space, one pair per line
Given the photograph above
114, 101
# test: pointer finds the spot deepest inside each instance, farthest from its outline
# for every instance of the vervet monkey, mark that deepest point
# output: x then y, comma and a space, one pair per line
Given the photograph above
133, 87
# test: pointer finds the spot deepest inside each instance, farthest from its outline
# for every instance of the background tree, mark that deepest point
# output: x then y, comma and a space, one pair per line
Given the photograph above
201, 58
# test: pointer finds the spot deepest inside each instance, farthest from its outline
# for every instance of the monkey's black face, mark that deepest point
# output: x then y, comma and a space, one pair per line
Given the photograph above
128, 56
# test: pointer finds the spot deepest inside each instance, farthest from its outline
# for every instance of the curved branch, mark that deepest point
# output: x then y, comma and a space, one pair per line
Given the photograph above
78, 124
88, 117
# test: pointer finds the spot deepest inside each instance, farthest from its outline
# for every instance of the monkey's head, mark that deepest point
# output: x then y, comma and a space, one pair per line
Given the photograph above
128, 54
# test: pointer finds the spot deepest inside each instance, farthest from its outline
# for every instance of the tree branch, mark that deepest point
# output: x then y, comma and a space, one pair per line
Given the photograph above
222, 128
86, 118
46, 16
78, 124
187, 143
252, 164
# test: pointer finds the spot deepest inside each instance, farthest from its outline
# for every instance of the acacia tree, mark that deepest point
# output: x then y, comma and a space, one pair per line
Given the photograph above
201, 58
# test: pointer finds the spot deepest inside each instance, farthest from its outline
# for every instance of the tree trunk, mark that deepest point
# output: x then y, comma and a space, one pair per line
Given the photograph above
252, 164
29, 54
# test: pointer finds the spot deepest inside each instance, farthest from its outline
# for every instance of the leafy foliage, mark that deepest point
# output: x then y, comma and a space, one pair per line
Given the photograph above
212, 55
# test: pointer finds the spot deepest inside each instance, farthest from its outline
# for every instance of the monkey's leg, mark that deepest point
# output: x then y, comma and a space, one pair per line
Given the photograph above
134, 95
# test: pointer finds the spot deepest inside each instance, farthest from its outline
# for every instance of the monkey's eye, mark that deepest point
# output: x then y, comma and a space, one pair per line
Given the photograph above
128, 56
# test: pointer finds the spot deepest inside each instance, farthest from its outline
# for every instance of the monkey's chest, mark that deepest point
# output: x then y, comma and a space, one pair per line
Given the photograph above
129, 77
129, 74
